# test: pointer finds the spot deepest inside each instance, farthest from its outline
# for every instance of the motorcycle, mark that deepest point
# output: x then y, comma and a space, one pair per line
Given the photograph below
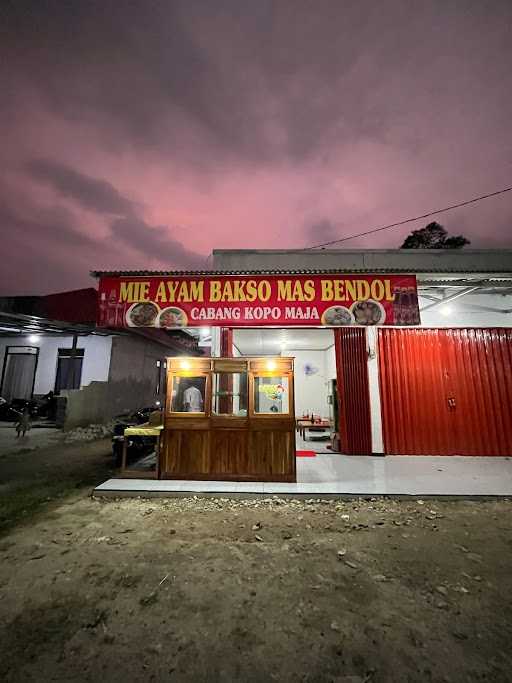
11, 411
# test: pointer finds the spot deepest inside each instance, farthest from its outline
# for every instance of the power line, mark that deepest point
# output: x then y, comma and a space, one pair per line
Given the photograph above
410, 220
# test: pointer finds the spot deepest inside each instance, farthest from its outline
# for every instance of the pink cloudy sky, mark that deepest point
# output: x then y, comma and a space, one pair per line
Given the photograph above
142, 135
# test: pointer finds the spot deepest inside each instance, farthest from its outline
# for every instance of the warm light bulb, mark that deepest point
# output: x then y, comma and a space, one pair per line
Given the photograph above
185, 365
271, 365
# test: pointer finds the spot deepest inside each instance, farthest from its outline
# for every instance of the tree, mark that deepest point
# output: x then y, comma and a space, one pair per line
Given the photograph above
433, 236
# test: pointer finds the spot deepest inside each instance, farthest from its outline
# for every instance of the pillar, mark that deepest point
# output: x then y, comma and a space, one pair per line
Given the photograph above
226, 342
374, 388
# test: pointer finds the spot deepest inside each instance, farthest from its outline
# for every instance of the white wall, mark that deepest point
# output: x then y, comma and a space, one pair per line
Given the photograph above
374, 391
95, 365
480, 310
330, 363
310, 390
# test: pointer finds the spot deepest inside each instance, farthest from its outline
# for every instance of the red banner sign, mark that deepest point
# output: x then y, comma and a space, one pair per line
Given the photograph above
258, 300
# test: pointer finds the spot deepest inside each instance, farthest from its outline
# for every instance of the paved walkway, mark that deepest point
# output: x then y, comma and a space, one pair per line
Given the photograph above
358, 475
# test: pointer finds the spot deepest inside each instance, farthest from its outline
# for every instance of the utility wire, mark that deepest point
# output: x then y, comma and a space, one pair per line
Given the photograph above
410, 220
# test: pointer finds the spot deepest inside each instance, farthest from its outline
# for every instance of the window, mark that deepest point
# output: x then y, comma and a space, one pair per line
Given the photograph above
229, 394
188, 394
69, 369
271, 395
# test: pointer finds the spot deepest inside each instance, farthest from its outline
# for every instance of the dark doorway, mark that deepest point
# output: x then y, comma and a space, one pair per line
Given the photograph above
69, 369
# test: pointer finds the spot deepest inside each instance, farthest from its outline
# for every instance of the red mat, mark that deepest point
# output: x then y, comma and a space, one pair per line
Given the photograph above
305, 454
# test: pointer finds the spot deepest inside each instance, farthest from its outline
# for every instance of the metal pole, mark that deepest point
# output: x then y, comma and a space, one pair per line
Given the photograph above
73, 356
447, 299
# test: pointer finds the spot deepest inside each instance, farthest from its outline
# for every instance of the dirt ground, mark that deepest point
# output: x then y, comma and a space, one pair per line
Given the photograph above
208, 589
32, 480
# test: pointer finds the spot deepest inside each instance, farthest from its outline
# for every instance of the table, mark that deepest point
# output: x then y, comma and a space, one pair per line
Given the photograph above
143, 430
312, 425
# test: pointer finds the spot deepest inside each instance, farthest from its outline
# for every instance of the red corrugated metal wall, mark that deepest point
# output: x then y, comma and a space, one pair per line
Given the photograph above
353, 393
446, 391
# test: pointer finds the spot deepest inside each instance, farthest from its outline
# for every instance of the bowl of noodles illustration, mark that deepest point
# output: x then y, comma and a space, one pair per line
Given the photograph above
337, 316
143, 314
172, 317
368, 312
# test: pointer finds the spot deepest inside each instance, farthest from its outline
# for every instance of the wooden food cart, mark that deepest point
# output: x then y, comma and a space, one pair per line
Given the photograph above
229, 419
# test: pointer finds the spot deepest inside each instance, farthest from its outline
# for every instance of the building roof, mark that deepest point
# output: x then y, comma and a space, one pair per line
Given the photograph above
76, 306
368, 260
72, 313
331, 261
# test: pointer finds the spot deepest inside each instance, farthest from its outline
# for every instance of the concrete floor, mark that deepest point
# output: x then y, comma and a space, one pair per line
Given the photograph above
358, 475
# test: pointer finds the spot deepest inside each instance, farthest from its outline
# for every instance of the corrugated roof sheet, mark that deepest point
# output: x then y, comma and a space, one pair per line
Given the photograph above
272, 271
332, 261
206, 273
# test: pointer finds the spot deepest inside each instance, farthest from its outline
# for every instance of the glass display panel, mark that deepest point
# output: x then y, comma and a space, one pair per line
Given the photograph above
271, 395
188, 394
229, 393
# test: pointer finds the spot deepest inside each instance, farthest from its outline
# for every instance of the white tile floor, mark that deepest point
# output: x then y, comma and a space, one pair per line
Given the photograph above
312, 444
342, 474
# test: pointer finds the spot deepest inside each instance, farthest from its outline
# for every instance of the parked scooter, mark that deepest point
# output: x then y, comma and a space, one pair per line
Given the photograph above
11, 411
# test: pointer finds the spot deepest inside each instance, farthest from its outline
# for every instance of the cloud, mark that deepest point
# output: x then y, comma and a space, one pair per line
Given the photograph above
45, 250
237, 80
41, 249
129, 228
320, 232
53, 225
91, 193
166, 129
243, 80
155, 242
